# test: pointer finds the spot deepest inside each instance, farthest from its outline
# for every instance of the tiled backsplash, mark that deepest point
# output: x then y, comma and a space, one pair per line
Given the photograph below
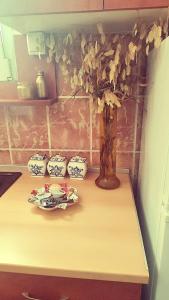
68, 127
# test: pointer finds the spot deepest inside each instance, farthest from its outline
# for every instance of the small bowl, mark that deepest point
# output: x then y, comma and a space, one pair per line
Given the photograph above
50, 197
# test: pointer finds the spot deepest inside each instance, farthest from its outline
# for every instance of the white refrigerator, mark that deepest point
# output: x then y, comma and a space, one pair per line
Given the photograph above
153, 183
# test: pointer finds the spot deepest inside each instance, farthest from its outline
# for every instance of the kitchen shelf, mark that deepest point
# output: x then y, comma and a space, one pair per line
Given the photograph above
28, 101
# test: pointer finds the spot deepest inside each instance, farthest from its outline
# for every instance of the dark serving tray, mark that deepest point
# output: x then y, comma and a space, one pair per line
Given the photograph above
7, 179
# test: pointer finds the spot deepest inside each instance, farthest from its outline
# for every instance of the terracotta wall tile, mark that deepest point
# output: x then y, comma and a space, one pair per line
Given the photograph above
22, 157
139, 125
125, 139
28, 127
63, 87
69, 123
3, 130
5, 157
126, 114
28, 66
8, 90
124, 160
96, 158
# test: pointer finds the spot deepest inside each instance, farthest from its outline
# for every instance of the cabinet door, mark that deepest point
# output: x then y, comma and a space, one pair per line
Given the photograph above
12, 286
26, 7
134, 4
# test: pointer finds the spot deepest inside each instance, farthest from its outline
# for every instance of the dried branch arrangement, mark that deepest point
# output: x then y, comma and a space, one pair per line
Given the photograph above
104, 65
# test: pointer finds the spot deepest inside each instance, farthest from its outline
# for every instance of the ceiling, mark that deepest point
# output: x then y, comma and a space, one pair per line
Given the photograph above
116, 21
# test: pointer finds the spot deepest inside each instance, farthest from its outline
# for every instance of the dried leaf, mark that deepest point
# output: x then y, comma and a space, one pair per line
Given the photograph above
157, 42
97, 47
64, 69
159, 31
126, 89
100, 105
112, 71
104, 74
147, 50
143, 31
115, 38
68, 39
150, 37
123, 75
100, 28
132, 50
103, 38
111, 98
128, 70
51, 41
64, 57
83, 44
109, 53
127, 59
135, 30
165, 27
72, 83
87, 87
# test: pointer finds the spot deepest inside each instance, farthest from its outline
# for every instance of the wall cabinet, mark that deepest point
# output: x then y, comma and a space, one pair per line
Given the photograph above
134, 4
12, 286
25, 7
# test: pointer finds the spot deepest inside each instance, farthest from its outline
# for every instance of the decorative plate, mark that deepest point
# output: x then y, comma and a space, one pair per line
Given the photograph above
53, 196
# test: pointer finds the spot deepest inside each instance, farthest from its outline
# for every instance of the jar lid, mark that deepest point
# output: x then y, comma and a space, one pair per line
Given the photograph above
78, 159
38, 157
58, 158
40, 73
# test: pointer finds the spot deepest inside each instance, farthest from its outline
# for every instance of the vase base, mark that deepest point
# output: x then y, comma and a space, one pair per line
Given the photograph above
109, 183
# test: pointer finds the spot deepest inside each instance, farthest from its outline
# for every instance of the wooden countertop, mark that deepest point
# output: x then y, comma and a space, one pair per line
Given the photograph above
99, 238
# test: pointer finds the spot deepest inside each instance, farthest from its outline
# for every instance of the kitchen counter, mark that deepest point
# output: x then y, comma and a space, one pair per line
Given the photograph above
99, 238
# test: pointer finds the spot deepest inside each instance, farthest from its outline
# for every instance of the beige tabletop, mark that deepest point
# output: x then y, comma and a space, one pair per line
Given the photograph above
99, 238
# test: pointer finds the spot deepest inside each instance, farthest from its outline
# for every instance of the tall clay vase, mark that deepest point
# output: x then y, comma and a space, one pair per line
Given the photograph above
108, 124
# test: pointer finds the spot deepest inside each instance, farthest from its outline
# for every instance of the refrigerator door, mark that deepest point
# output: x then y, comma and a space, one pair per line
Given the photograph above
153, 172
161, 280
155, 141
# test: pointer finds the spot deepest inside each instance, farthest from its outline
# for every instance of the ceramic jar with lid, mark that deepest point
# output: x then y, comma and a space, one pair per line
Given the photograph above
77, 167
25, 90
57, 166
41, 85
37, 165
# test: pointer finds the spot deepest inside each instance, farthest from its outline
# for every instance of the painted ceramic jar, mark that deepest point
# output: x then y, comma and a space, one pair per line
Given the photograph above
77, 167
57, 166
37, 165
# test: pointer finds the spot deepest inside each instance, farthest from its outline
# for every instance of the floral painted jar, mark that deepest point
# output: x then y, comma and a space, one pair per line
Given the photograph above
57, 166
77, 167
37, 165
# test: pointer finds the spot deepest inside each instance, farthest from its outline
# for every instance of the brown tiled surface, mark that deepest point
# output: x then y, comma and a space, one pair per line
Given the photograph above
69, 124
5, 157
21, 157
71, 127
124, 160
139, 124
95, 158
28, 127
3, 129
8, 90
126, 114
